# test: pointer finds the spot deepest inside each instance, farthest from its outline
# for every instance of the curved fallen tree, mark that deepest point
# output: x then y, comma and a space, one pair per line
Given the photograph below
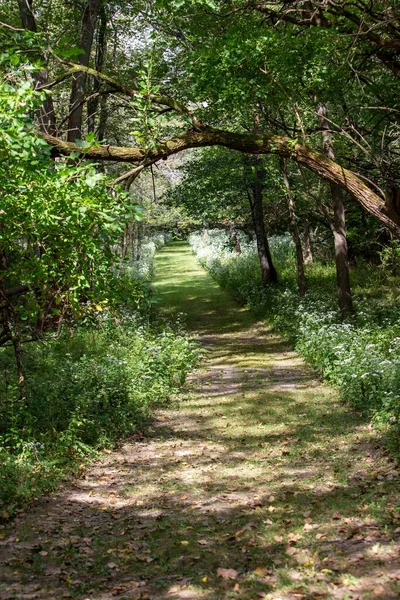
205, 135
201, 135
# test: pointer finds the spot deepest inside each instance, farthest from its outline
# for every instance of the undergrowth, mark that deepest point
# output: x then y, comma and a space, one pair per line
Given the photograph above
359, 354
92, 386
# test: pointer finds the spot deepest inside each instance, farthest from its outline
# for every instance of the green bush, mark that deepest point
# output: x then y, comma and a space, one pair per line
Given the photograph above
85, 391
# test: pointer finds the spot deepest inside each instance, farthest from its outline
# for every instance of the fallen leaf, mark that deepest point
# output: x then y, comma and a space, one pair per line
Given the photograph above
295, 575
262, 571
300, 590
246, 527
379, 590
112, 565
143, 557
336, 516
227, 573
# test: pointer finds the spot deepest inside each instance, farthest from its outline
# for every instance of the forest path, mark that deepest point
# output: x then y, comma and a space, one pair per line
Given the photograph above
259, 484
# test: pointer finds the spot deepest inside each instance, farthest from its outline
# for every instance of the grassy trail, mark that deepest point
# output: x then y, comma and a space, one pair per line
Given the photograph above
259, 484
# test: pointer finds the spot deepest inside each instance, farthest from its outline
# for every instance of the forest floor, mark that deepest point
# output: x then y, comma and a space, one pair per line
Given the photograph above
259, 483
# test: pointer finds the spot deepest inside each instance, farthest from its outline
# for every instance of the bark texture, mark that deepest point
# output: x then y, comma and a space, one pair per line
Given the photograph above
307, 246
94, 101
301, 279
338, 225
46, 113
76, 101
268, 272
317, 162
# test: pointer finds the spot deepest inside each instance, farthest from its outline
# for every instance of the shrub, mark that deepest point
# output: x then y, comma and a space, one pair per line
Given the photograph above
89, 388
85, 391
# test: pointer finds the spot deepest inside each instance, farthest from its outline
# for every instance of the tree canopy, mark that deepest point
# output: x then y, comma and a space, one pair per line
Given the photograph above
158, 78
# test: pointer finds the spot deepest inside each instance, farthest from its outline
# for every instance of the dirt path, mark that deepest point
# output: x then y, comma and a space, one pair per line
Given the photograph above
260, 484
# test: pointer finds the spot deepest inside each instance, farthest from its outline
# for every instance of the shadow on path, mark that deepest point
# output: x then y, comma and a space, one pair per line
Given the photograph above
258, 484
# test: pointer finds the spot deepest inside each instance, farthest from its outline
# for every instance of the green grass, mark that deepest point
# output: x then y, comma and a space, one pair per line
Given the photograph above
280, 434
185, 288
358, 354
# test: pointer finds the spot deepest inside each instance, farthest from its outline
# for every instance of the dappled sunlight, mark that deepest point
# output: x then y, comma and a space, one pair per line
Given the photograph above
259, 470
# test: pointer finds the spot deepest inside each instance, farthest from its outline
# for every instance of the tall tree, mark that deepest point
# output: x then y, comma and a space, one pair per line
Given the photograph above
268, 271
197, 88
46, 112
93, 102
301, 280
338, 225
77, 97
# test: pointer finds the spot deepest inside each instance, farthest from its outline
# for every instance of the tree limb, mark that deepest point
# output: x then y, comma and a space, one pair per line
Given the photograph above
249, 143
158, 99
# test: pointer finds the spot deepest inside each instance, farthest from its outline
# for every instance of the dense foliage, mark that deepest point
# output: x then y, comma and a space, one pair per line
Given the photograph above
96, 366
85, 390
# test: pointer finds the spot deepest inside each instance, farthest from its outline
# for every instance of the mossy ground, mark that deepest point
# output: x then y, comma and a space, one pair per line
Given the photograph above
259, 483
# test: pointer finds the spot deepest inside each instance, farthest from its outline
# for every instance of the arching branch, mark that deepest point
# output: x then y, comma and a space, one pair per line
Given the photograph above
251, 144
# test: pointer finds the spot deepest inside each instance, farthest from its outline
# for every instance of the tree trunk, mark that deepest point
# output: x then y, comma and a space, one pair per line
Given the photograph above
46, 113
338, 226
257, 144
79, 79
127, 240
268, 272
301, 279
139, 238
9, 320
235, 238
307, 247
101, 132
101, 46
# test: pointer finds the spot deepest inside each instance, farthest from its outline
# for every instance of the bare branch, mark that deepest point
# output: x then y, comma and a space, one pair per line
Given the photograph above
158, 99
